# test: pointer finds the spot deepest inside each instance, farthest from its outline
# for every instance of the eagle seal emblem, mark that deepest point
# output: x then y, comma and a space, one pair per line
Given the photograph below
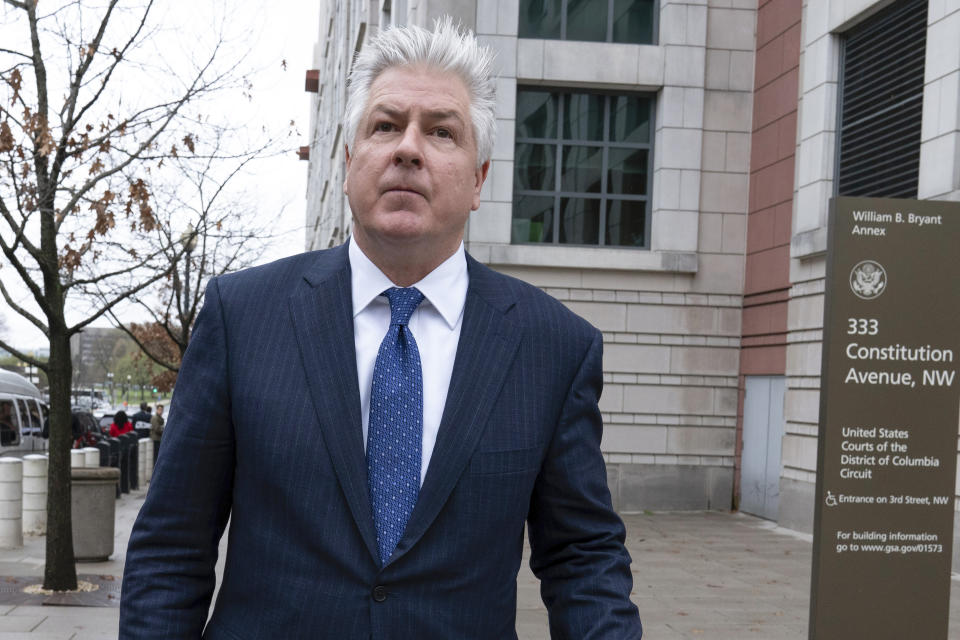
868, 279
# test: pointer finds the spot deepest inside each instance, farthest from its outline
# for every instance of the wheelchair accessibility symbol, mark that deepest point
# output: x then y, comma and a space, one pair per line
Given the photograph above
831, 499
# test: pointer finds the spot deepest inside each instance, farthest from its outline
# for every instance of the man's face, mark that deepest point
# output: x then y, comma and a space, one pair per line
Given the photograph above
412, 176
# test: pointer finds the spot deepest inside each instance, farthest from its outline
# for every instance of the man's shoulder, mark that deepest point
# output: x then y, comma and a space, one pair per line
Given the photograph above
529, 305
279, 277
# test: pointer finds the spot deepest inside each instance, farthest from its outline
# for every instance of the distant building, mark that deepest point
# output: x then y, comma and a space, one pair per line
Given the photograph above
664, 169
93, 351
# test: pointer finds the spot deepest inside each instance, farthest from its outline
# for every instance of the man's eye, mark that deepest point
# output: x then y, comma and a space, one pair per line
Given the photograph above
444, 133
383, 126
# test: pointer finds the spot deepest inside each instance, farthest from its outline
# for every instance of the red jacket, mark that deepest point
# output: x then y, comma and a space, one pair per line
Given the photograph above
119, 431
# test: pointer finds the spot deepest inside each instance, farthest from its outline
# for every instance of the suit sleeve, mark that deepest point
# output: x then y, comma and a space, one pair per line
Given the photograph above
169, 574
576, 539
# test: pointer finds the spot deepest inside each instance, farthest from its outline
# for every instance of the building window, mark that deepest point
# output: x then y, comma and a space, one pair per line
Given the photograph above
881, 103
630, 21
582, 168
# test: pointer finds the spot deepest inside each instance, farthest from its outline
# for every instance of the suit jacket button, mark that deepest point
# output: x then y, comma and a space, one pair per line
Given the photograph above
379, 593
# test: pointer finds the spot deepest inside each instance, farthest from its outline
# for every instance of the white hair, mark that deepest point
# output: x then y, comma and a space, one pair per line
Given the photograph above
447, 48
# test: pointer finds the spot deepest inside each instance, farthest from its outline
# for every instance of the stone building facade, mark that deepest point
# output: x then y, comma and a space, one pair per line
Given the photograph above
692, 236
825, 26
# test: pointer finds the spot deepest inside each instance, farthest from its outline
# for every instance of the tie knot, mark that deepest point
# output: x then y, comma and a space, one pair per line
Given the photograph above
403, 302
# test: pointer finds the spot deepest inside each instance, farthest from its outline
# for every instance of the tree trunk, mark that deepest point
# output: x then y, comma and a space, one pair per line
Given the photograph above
60, 573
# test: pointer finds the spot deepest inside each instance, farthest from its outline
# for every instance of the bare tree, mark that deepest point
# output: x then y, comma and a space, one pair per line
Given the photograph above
220, 235
164, 354
81, 158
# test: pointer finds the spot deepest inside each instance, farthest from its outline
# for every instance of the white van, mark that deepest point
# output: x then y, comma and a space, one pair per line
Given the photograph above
22, 412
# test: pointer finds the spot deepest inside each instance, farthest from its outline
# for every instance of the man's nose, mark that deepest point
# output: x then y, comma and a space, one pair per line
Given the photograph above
409, 149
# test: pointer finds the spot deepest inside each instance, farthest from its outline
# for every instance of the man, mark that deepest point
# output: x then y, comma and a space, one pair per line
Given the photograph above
156, 431
8, 432
141, 419
380, 420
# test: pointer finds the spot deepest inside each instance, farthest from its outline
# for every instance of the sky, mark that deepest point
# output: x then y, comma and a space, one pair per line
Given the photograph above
278, 32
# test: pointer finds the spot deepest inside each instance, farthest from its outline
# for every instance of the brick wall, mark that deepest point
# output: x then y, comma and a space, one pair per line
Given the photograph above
773, 142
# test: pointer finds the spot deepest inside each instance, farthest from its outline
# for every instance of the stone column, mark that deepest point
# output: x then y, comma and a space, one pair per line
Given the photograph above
11, 503
91, 457
142, 454
35, 494
150, 447
78, 459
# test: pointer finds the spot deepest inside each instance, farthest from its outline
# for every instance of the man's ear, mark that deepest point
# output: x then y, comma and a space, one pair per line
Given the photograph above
481, 176
346, 155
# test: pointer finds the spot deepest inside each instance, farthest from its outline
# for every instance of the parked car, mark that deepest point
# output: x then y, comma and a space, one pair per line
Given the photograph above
90, 433
86, 428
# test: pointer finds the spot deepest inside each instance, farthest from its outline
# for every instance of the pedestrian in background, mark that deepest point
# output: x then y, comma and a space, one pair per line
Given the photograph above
156, 431
120, 425
141, 416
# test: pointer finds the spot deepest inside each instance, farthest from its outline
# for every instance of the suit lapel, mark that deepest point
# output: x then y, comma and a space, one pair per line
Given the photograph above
488, 344
323, 320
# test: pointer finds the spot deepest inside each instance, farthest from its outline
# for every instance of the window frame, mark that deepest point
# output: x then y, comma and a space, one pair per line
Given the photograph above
843, 129
35, 416
564, 4
605, 145
16, 424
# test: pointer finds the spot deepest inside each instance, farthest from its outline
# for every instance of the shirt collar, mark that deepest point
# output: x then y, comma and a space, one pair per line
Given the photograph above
445, 287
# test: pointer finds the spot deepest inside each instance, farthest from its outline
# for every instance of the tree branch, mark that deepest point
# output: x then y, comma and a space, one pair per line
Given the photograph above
19, 355
176, 339
73, 117
15, 53
24, 275
19, 237
112, 274
143, 146
165, 322
40, 76
117, 300
10, 115
23, 312
143, 347
121, 54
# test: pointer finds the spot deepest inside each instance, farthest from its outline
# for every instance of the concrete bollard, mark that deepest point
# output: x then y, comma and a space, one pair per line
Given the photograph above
150, 445
78, 459
11, 503
142, 461
124, 464
93, 511
91, 457
35, 494
133, 463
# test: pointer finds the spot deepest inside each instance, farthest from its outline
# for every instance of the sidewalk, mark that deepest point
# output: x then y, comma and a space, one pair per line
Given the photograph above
700, 575
45, 622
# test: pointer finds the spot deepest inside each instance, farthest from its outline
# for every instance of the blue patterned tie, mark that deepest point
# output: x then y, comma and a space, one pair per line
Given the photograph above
395, 427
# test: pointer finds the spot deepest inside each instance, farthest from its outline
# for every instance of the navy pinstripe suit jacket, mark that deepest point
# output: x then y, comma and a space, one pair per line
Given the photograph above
265, 430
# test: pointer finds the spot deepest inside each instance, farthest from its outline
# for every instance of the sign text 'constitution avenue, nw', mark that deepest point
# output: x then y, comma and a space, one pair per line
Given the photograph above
889, 402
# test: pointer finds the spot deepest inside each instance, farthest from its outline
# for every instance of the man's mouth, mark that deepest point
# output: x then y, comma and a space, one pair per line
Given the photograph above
402, 190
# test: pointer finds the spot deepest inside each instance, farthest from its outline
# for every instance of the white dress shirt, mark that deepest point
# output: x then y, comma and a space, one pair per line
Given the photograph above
435, 326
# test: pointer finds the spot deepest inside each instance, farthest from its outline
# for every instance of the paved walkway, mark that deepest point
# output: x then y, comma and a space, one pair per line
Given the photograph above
716, 576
